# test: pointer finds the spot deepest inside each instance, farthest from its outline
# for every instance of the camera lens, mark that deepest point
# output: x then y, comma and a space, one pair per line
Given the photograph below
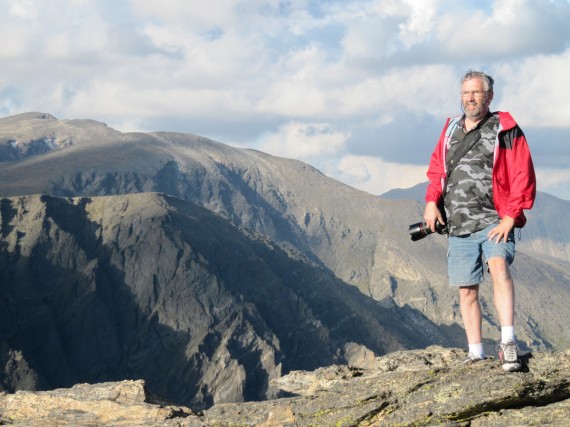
418, 231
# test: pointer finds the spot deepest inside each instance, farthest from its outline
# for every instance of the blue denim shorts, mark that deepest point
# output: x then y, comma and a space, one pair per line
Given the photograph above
465, 256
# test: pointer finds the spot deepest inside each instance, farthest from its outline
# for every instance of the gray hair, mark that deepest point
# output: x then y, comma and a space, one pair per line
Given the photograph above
488, 81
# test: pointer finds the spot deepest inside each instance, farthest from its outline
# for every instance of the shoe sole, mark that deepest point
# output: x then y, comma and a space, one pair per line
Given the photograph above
511, 367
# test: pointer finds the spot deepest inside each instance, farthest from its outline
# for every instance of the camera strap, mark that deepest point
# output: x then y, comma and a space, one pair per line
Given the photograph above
468, 143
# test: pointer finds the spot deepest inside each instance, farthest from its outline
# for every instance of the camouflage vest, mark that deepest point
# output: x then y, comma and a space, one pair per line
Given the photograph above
469, 196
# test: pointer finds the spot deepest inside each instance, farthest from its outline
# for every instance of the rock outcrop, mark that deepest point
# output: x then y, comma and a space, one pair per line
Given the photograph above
123, 403
409, 388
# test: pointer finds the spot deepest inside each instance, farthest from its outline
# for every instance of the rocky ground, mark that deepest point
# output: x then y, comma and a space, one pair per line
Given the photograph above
408, 388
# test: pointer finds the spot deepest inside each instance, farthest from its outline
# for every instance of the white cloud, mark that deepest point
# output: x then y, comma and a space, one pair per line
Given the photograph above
23, 9
378, 31
226, 15
217, 13
511, 28
229, 62
14, 43
421, 22
423, 91
376, 176
58, 46
554, 181
537, 90
305, 141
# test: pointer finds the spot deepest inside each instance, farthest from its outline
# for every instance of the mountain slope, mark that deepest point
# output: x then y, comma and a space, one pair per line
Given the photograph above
149, 286
293, 203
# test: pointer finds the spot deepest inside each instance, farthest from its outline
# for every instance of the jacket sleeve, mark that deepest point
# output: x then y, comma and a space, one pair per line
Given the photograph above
436, 170
521, 176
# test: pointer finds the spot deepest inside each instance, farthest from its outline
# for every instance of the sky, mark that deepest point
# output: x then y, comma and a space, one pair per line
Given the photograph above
360, 89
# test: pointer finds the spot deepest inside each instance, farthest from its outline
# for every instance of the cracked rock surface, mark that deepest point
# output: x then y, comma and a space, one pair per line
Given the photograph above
408, 388
421, 387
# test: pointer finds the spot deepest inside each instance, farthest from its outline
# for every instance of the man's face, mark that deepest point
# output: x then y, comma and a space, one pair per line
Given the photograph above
474, 99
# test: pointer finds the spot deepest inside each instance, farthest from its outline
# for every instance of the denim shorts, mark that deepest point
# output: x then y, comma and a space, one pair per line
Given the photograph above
465, 255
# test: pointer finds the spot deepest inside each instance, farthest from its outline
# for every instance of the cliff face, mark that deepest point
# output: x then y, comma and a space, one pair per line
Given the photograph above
409, 388
148, 286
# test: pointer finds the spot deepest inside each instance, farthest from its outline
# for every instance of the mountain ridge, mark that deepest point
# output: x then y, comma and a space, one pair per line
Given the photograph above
104, 287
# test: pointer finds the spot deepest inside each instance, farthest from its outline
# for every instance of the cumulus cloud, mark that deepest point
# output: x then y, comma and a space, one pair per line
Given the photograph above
219, 14
554, 181
23, 9
305, 141
511, 28
537, 89
376, 176
553, 177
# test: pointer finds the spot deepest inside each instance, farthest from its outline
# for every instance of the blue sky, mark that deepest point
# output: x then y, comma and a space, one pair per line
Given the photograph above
359, 89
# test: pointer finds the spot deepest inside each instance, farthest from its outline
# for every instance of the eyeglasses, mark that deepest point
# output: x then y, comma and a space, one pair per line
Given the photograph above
475, 93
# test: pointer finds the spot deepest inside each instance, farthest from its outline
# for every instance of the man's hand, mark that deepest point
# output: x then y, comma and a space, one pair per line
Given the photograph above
431, 215
501, 232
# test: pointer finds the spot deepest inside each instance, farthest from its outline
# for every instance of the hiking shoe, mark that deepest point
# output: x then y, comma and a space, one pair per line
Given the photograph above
471, 358
509, 357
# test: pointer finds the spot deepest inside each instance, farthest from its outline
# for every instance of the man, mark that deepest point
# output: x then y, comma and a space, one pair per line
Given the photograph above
484, 192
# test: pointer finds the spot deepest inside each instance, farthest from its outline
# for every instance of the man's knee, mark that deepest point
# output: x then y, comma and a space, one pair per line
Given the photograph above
499, 269
468, 294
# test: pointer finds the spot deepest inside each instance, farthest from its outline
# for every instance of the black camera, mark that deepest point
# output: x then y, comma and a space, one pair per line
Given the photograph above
420, 230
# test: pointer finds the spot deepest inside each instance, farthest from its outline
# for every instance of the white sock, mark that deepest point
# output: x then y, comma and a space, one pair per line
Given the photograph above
507, 334
477, 350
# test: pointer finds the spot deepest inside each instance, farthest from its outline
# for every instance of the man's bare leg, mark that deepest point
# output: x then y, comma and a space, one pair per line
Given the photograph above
503, 291
471, 313
504, 295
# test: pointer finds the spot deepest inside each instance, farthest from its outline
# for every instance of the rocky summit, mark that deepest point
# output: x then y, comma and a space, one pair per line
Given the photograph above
408, 388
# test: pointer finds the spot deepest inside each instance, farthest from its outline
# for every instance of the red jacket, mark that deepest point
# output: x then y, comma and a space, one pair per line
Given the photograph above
514, 181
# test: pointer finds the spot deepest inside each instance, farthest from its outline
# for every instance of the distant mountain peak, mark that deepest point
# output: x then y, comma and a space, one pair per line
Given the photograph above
33, 115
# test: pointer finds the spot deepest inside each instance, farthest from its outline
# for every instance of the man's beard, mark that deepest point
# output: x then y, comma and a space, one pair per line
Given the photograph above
475, 114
